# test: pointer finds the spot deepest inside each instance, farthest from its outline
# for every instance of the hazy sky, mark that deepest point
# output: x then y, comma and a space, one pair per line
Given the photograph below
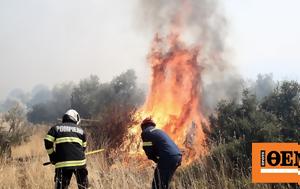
52, 41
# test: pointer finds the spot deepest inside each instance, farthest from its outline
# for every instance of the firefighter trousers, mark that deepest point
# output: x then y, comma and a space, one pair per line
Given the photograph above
63, 177
164, 172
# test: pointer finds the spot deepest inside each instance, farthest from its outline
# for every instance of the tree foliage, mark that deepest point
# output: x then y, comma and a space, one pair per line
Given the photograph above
236, 125
112, 104
58, 102
13, 129
284, 103
84, 96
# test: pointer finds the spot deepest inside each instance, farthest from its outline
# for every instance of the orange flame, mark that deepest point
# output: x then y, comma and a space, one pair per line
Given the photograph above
173, 101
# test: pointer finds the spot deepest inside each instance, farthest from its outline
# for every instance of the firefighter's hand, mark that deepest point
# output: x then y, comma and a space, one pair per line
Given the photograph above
52, 158
53, 161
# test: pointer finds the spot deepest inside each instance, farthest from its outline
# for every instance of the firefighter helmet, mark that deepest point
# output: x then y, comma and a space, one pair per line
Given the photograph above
148, 122
72, 115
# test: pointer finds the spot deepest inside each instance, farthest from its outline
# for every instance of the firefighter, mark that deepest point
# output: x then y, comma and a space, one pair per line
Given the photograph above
160, 148
65, 144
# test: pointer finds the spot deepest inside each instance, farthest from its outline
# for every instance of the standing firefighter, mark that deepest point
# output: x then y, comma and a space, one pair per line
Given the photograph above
159, 147
65, 145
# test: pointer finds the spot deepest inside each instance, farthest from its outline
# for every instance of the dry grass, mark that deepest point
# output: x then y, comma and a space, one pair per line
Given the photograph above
26, 170
29, 173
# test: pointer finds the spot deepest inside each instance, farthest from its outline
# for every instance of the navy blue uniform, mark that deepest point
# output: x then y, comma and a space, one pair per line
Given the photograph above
159, 147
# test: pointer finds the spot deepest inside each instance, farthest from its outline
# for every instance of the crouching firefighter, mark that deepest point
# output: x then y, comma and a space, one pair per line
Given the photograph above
159, 147
65, 145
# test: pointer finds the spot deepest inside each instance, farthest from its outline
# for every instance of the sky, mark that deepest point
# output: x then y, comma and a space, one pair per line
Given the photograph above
54, 41
265, 37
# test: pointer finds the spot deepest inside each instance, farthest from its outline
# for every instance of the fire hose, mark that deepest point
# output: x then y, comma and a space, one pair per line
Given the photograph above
87, 153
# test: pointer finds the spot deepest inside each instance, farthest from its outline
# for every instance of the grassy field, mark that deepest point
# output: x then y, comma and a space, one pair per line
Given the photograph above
26, 170
27, 173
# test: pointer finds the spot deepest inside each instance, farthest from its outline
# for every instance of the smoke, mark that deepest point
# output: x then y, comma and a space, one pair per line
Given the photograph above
47, 105
263, 86
200, 23
15, 97
40, 94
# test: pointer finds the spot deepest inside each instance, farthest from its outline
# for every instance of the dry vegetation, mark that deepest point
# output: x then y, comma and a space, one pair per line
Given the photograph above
25, 170
22, 172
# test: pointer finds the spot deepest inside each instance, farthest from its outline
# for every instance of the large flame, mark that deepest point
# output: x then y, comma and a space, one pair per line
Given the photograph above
173, 101
174, 97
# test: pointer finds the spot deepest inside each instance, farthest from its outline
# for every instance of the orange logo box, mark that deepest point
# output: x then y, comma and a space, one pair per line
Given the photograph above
275, 163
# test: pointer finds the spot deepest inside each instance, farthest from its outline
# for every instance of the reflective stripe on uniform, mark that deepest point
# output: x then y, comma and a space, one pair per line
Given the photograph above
50, 138
70, 163
84, 144
153, 129
147, 143
68, 139
50, 151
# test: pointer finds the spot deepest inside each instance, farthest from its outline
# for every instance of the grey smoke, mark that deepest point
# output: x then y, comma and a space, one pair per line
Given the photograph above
40, 94
204, 24
263, 86
59, 95
15, 97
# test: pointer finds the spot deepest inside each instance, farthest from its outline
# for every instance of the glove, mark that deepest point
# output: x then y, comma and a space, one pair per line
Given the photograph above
53, 159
